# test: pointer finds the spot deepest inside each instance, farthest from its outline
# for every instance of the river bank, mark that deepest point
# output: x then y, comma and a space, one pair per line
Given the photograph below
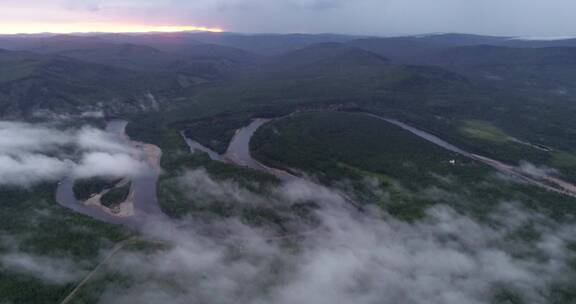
239, 153
142, 201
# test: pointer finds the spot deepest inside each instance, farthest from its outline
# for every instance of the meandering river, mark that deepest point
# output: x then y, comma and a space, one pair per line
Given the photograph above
239, 153
143, 188
145, 202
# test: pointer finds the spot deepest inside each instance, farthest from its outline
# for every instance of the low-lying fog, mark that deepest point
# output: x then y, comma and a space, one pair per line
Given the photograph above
343, 256
347, 257
32, 153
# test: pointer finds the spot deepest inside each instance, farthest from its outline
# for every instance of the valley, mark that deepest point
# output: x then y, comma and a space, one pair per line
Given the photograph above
239, 153
225, 168
141, 201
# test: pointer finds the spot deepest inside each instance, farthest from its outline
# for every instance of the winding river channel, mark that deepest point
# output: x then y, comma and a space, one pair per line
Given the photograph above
142, 202
239, 153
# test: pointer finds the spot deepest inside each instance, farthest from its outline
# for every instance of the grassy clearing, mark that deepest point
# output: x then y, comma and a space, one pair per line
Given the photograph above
480, 129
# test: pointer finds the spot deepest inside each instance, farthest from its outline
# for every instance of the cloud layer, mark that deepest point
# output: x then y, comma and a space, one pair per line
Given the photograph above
347, 256
50, 270
33, 153
342, 256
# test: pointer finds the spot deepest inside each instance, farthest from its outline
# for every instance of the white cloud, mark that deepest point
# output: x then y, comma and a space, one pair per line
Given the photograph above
537, 171
351, 257
97, 140
33, 153
105, 164
200, 187
18, 137
31, 168
371, 17
51, 270
93, 114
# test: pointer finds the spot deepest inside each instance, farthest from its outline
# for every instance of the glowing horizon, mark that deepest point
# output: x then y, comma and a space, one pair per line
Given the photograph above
71, 28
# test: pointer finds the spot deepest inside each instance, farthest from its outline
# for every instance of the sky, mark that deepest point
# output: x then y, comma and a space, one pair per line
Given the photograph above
550, 18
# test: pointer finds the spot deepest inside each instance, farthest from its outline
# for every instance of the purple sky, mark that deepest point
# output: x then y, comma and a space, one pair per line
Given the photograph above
382, 17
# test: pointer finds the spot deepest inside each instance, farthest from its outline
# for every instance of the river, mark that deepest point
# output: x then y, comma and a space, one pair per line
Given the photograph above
543, 181
239, 153
195, 146
143, 187
145, 202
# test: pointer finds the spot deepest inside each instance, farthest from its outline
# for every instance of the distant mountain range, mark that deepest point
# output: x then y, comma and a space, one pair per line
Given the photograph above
268, 44
127, 73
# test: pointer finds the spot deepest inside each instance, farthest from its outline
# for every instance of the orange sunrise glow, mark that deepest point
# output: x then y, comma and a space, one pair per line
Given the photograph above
99, 28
